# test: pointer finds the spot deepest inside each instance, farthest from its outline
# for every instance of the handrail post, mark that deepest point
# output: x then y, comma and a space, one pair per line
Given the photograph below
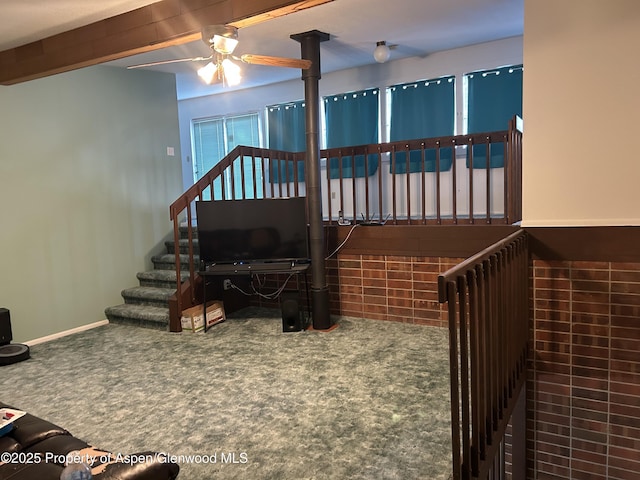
174, 325
513, 172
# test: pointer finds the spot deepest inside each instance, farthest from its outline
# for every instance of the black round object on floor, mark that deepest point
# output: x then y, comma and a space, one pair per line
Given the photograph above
13, 353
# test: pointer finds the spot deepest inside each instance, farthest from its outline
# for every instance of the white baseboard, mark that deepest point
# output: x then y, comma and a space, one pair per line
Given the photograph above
55, 336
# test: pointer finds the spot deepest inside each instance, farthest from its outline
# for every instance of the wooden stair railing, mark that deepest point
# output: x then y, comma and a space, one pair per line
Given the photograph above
487, 297
276, 173
397, 154
282, 165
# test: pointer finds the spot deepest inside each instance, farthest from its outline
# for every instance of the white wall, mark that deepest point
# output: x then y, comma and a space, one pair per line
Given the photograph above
451, 62
85, 188
581, 111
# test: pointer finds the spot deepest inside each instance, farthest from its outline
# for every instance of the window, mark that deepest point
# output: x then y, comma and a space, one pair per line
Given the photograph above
493, 98
214, 138
286, 126
423, 109
352, 119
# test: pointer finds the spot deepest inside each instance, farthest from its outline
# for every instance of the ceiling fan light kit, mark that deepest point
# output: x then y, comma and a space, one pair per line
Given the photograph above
223, 39
222, 70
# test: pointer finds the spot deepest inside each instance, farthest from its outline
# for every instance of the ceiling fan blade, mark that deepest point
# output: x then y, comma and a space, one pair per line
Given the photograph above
166, 62
276, 61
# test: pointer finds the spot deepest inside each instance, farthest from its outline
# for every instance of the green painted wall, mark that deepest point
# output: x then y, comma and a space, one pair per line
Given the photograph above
85, 189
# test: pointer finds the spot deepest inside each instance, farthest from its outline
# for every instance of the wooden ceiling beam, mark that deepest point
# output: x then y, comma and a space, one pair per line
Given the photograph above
159, 25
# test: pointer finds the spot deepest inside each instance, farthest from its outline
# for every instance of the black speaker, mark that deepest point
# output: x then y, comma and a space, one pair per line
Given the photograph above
292, 314
5, 327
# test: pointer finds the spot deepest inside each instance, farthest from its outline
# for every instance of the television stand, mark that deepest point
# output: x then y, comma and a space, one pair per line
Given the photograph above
248, 269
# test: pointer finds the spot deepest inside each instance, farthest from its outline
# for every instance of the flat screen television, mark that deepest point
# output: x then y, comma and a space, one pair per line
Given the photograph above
252, 230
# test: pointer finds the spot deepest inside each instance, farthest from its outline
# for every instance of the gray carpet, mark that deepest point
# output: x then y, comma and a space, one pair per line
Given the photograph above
369, 400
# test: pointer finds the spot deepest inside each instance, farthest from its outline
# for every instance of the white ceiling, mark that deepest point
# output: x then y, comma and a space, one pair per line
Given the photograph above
417, 27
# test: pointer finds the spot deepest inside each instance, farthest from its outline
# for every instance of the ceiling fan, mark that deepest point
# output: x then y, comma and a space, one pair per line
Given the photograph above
223, 39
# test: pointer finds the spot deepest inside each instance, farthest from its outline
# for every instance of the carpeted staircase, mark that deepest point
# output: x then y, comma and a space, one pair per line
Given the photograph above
147, 305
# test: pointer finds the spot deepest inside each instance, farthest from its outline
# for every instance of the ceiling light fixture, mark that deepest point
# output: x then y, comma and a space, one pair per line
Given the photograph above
223, 40
381, 52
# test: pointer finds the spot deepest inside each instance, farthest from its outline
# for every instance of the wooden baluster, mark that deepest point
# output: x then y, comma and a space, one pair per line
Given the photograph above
438, 173
488, 181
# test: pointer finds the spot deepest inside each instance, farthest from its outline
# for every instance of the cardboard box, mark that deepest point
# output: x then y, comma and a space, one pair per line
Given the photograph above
192, 318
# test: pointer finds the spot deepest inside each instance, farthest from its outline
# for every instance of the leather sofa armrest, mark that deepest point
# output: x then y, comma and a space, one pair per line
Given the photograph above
58, 445
29, 430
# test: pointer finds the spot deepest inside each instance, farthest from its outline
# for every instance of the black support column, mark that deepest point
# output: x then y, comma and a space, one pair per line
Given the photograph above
310, 44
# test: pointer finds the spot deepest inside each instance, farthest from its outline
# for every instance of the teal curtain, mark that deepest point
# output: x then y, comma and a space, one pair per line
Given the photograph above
352, 119
494, 97
424, 109
286, 124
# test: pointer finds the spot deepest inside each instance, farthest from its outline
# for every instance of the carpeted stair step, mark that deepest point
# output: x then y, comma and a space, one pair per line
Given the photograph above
167, 261
139, 315
160, 278
152, 296
184, 231
147, 304
184, 246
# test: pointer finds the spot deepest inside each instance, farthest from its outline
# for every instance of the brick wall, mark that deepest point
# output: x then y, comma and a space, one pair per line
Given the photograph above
385, 287
584, 419
379, 287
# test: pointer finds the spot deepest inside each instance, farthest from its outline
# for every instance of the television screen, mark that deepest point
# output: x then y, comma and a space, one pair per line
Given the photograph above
255, 230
